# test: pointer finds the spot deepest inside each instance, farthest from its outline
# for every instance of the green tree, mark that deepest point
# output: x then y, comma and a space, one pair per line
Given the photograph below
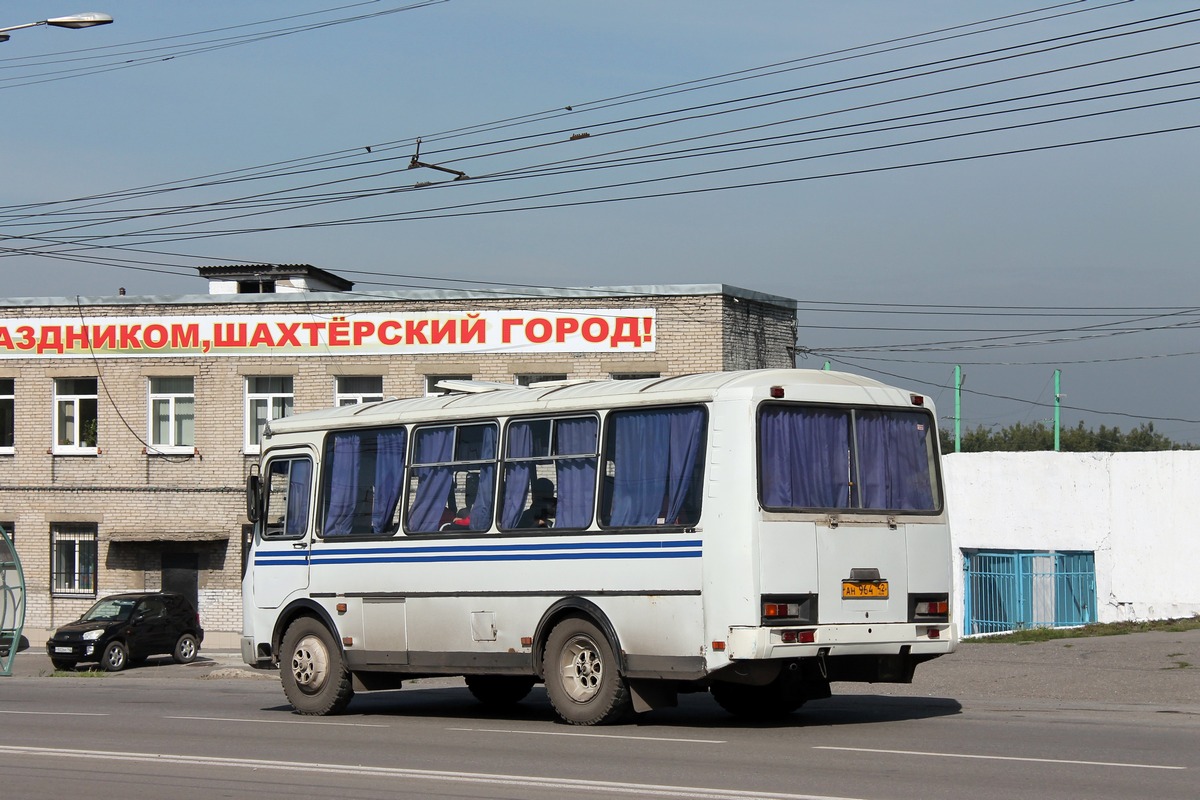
1038, 436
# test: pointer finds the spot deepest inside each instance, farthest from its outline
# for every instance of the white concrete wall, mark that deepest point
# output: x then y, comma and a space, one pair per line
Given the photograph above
1136, 511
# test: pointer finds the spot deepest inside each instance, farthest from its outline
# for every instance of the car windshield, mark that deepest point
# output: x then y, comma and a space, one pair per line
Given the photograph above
111, 608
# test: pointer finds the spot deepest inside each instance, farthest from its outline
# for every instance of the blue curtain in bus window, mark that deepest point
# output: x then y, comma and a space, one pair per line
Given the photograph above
299, 481
434, 445
804, 457
648, 470
481, 510
389, 478
517, 475
893, 460
576, 477
686, 436
344, 452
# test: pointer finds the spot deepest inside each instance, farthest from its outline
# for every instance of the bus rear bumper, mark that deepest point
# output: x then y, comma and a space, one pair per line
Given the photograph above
832, 641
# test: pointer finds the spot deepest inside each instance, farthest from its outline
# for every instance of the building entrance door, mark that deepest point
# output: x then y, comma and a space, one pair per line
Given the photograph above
180, 574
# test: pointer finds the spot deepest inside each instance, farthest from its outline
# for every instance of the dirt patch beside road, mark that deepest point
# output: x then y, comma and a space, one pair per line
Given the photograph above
1152, 668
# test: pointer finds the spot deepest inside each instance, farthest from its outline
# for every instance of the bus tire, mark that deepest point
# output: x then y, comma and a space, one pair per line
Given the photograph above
313, 671
500, 690
582, 678
773, 701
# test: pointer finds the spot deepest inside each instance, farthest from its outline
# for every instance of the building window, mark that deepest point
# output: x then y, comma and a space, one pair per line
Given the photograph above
352, 390
526, 380
75, 416
268, 397
73, 554
8, 561
431, 382
256, 286
8, 417
173, 414
633, 376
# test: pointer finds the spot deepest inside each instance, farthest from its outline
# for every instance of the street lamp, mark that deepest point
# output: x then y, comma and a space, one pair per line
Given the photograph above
87, 20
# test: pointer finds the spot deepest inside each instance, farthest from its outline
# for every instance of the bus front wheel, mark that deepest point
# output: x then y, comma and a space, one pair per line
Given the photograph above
582, 679
313, 671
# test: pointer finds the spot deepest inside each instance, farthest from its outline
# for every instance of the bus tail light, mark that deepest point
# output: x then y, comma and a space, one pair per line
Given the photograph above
773, 610
929, 608
790, 609
798, 636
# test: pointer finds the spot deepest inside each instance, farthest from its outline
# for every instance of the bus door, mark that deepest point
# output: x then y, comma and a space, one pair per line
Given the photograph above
284, 532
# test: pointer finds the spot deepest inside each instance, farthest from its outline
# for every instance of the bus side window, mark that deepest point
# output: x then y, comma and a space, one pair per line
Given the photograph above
289, 488
654, 459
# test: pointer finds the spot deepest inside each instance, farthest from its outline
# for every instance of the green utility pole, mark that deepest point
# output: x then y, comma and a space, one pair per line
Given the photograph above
827, 366
1057, 409
958, 379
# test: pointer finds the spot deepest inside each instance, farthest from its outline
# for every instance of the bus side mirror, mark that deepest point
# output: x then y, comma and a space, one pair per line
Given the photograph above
253, 497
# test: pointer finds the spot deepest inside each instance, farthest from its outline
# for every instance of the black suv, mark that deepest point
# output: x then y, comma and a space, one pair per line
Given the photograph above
124, 629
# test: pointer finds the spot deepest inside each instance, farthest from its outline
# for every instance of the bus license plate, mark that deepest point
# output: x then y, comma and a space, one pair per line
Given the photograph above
857, 589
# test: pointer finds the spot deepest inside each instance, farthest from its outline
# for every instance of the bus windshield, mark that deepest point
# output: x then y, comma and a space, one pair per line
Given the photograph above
828, 458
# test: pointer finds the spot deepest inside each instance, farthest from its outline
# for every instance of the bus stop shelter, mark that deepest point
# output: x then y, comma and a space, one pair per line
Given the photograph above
12, 603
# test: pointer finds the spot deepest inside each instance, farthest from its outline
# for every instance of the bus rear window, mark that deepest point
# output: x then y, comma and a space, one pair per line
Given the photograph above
820, 458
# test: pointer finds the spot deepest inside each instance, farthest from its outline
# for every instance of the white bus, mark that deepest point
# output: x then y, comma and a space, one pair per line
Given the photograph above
754, 534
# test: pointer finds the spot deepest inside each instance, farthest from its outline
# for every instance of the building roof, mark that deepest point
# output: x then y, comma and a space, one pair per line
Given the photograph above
274, 272
578, 294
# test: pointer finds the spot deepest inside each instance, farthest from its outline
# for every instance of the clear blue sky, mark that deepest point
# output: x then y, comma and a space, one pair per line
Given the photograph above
834, 211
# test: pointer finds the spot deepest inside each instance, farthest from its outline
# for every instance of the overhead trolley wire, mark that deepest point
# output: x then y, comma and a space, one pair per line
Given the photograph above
357, 151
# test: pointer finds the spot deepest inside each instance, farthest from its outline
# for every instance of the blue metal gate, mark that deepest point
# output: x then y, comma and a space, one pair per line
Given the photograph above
1007, 590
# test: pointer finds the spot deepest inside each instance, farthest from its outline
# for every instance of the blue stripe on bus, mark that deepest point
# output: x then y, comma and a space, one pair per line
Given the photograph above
504, 552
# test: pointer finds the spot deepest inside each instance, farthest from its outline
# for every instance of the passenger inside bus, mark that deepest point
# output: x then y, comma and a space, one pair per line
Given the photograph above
542, 506
462, 518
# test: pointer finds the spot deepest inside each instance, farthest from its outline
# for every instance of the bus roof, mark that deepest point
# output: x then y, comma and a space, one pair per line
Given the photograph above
481, 398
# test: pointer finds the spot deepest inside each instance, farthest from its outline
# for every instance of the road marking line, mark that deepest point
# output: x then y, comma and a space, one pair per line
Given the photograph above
285, 722
1000, 758
591, 735
574, 785
60, 713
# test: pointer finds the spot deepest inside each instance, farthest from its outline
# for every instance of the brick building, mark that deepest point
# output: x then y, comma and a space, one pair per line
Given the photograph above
128, 424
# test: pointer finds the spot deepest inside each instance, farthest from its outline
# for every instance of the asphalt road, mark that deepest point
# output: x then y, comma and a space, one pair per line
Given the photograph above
1110, 717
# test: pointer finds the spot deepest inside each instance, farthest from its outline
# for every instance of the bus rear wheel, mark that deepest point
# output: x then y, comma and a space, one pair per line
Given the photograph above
499, 690
582, 679
775, 700
313, 671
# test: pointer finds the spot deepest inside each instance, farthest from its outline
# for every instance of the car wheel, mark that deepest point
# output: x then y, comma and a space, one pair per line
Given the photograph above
62, 664
185, 649
582, 678
115, 657
312, 669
